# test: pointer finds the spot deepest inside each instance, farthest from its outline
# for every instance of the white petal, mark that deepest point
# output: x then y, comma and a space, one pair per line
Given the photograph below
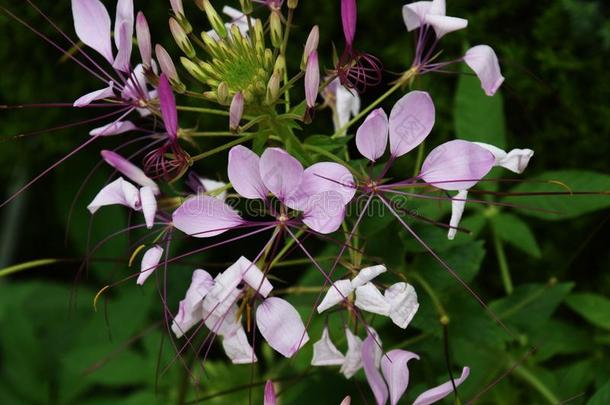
367, 274
458, 202
211, 185
87, 99
444, 25
325, 353
254, 277
353, 357
347, 105
150, 260
516, 160
337, 292
189, 312
148, 203
118, 192
238, 349
221, 316
403, 303
413, 14
370, 299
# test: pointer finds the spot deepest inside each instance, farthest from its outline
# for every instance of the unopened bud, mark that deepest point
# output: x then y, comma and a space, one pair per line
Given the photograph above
143, 36
275, 25
213, 17
236, 111
293, 4
177, 7
246, 6
181, 38
273, 89
259, 36
312, 79
167, 66
311, 45
223, 93
193, 69
280, 65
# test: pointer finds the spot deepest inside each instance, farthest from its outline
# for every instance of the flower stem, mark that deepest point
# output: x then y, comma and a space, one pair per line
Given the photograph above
419, 159
26, 266
530, 378
202, 110
503, 263
435, 300
223, 147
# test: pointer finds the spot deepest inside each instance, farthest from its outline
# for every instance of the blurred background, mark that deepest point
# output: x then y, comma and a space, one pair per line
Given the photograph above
54, 348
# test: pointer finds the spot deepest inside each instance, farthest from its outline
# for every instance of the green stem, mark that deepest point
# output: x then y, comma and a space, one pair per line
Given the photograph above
213, 134
435, 300
538, 385
285, 250
503, 263
223, 147
26, 266
203, 110
419, 159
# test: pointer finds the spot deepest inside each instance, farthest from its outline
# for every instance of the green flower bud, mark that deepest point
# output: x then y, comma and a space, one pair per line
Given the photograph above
181, 38
275, 24
293, 4
213, 17
223, 93
246, 6
273, 89
193, 70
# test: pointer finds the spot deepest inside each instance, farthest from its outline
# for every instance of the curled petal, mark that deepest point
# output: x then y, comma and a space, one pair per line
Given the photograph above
370, 299
148, 204
168, 107
349, 15
114, 128
124, 45
411, 121
143, 36
396, 372
244, 173
281, 326
443, 24
371, 358
483, 61
189, 312
312, 79
280, 172
324, 212
372, 135
516, 160
414, 13
203, 216
436, 394
456, 165
238, 349
367, 274
253, 276
353, 357
128, 169
403, 303
222, 317
87, 99
270, 398
118, 192
325, 353
337, 292
92, 25
458, 202
150, 260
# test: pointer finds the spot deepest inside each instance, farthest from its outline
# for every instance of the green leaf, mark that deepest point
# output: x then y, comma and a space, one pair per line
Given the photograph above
513, 230
328, 143
564, 206
478, 117
601, 397
594, 308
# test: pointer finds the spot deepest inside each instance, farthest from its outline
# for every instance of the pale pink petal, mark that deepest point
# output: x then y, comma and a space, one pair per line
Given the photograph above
438, 7
270, 398
87, 99
118, 192
337, 292
144, 41
325, 353
353, 357
280, 172
92, 25
150, 260
436, 394
370, 299
166, 64
319, 178
312, 79
177, 7
203, 216
324, 212
238, 349
114, 128
135, 87
396, 372
458, 203
124, 45
148, 203
312, 42
371, 358
346, 401
254, 277
129, 170
168, 107
189, 312
226, 283
411, 121
222, 317
244, 173
456, 165
484, 62
444, 25
281, 326
372, 135
403, 303
516, 160
414, 14
367, 274
236, 110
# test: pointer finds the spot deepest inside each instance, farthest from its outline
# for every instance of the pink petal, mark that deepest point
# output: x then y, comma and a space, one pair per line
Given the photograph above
238, 349
324, 212
396, 373
353, 357
370, 299
371, 358
150, 260
270, 398
403, 303
87, 99
349, 15
253, 277
484, 62
456, 165
372, 135
190, 307
148, 203
203, 216
280, 172
312, 79
312, 42
136, 84
438, 7
244, 173
168, 107
458, 203
346, 401
124, 45
166, 64
143, 36
114, 128
92, 25
411, 121
414, 14
128, 169
444, 25
118, 192
325, 353
222, 317
367, 274
281, 326
336, 293
319, 178
236, 110
436, 394
516, 160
